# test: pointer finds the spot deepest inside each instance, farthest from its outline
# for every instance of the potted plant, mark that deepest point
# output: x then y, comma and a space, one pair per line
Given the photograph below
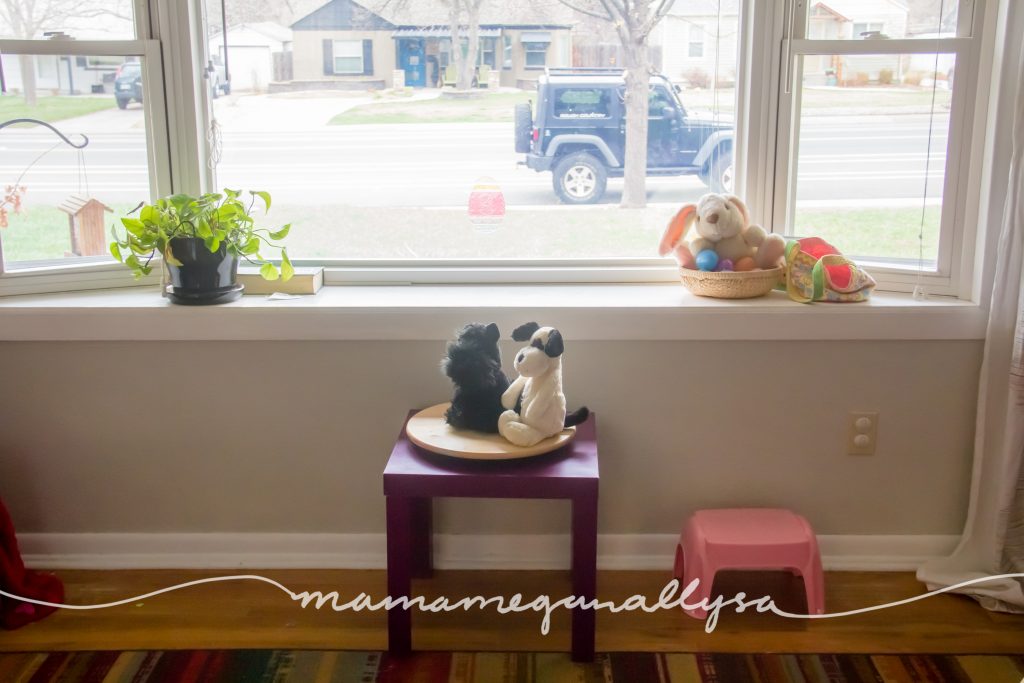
201, 240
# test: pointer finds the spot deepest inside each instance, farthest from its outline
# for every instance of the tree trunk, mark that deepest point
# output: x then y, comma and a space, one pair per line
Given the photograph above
28, 78
469, 65
634, 192
465, 64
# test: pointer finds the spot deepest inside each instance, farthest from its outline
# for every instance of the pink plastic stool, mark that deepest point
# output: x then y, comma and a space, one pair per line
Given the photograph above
748, 538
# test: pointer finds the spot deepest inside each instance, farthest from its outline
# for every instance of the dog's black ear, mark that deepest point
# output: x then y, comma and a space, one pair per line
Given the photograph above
525, 331
493, 333
555, 346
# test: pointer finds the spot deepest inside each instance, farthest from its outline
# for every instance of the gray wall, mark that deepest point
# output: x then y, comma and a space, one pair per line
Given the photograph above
292, 436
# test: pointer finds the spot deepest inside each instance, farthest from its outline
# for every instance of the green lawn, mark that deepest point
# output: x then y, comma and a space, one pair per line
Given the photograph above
894, 99
489, 107
346, 232
53, 108
891, 233
42, 232
577, 232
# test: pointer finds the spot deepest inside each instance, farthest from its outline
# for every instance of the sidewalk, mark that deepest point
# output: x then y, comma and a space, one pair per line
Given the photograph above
294, 112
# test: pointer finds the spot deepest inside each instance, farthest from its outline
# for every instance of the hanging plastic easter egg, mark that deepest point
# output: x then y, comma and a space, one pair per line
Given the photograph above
486, 205
744, 264
707, 260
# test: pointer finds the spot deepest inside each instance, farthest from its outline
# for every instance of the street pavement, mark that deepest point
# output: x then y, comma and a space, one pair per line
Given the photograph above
844, 160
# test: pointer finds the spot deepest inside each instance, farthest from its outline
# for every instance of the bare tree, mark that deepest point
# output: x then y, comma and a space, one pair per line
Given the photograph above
253, 11
30, 18
633, 22
464, 15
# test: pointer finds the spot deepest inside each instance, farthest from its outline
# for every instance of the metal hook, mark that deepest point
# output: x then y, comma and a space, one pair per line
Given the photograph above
85, 139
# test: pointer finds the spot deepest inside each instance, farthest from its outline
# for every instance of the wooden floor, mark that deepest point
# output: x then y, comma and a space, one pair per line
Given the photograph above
256, 615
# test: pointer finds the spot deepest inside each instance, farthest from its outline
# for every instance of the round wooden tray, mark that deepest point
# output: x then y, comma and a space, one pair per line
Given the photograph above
427, 429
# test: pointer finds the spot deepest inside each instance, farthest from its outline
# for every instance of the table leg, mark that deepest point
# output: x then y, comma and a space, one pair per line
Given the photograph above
422, 538
399, 541
584, 574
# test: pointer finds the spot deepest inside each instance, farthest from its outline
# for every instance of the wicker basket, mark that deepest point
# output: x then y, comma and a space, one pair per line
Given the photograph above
730, 284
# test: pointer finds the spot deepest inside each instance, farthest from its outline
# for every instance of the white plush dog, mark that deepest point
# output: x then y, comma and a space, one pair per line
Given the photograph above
534, 402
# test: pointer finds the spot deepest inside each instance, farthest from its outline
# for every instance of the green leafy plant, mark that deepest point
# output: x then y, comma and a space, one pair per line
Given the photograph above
219, 219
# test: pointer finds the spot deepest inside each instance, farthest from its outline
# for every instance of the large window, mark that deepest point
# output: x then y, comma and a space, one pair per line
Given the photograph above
536, 54
855, 124
696, 43
91, 143
872, 137
348, 56
428, 177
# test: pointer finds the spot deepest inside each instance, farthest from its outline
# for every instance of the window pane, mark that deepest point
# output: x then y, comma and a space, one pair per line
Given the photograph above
866, 157
348, 48
348, 65
582, 103
363, 170
859, 20
69, 197
85, 20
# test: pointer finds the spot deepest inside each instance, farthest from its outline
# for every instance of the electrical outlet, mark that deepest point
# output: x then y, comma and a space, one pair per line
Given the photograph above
863, 433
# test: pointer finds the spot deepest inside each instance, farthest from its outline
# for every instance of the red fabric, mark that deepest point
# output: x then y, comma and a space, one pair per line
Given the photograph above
839, 276
15, 579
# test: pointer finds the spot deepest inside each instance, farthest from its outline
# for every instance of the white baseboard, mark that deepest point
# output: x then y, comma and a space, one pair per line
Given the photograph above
367, 551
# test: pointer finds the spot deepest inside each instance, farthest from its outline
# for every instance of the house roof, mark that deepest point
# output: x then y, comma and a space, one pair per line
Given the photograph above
391, 14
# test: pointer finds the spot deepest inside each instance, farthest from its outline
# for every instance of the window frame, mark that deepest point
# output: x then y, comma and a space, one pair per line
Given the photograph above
180, 118
334, 56
957, 235
528, 50
171, 131
691, 43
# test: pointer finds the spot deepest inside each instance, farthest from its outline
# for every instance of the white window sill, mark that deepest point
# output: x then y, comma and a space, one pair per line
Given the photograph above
432, 312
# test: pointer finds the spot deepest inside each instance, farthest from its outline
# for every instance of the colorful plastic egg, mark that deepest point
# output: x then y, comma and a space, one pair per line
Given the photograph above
744, 264
724, 265
707, 260
486, 204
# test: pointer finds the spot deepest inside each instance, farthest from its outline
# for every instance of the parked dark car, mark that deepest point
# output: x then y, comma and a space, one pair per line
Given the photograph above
128, 84
128, 81
578, 132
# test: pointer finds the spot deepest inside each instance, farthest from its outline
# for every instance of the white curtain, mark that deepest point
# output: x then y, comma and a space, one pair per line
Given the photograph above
993, 540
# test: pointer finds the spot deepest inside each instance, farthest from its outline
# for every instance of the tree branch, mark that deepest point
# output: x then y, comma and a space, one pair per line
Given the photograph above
589, 13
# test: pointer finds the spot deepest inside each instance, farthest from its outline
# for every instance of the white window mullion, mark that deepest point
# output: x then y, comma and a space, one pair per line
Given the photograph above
179, 26
758, 66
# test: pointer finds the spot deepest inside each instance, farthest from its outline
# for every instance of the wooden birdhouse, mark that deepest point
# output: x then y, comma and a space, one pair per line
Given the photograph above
86, 220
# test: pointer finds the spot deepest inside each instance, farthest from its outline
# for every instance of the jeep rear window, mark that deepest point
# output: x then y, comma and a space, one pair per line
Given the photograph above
582, 103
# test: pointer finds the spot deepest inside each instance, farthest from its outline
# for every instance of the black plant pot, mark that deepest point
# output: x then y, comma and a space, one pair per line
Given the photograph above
204, 277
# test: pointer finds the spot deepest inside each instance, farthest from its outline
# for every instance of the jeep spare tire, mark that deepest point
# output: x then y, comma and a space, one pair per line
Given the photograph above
524, 127
580, 179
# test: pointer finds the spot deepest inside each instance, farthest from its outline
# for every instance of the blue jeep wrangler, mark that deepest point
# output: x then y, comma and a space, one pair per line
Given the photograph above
579, 134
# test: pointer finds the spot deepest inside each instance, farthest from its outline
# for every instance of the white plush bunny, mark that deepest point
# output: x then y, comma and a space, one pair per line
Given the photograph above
534, 402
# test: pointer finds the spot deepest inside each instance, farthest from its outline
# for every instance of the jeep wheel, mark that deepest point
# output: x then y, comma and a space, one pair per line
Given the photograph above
523, 118
580, 179
122, 103
719, 174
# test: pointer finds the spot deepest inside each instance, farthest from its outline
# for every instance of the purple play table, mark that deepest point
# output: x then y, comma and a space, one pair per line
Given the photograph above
413, 477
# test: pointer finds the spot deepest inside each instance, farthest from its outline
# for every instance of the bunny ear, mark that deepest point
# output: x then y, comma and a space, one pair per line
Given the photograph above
741, 206
677, 229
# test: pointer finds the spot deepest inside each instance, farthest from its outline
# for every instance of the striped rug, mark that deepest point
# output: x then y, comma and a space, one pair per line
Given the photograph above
286, 666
